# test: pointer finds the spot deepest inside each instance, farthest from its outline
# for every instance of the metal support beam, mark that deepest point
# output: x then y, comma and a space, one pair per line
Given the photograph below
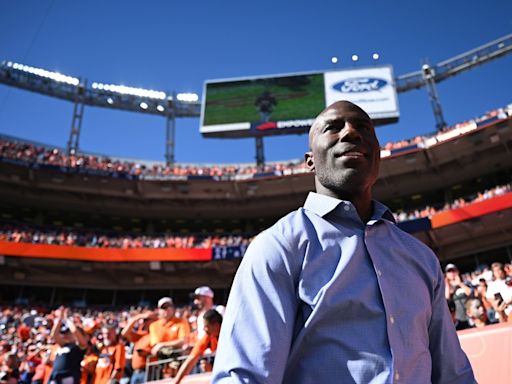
170, 129
76, 122
429, 78
260, 153
170, 135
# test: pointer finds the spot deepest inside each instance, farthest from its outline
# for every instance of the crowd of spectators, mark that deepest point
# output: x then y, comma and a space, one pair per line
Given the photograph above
23, 233
418, 140
429, 211
481, 297
38, 154
41, 345
69, 346
43, 155
29, 234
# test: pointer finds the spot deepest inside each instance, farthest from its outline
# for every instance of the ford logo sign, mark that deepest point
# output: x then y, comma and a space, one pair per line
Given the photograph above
359, 84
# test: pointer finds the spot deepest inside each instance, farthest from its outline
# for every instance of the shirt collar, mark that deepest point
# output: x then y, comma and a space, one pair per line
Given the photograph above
322, 205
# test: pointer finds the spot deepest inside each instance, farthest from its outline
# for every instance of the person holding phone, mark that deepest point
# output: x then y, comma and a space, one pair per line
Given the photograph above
499, 293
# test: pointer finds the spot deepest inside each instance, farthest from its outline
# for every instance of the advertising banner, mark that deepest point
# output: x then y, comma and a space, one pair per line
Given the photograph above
370, 88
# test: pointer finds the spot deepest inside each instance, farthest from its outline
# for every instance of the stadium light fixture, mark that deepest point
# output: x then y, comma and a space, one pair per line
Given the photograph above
375, 56
160, 108
110, 100
144, 105
56, 76
355, 58
125, 90
187, 97
334, 60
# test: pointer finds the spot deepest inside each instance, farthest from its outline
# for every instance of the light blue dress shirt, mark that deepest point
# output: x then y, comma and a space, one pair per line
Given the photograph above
321, 297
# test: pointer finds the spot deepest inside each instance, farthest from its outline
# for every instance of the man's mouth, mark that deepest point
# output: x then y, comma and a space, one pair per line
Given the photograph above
351, 154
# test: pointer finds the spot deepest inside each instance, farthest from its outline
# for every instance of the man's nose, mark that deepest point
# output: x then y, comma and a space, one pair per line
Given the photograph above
350, 132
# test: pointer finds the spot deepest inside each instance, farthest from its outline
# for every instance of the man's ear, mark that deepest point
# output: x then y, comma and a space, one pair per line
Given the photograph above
310, 161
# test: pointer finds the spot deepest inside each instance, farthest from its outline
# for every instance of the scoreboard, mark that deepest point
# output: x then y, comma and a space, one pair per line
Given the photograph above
286, 104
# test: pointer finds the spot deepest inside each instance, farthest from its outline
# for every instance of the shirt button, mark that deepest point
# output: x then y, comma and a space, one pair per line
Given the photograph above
392, 319
346, 208
379, 273
397, 376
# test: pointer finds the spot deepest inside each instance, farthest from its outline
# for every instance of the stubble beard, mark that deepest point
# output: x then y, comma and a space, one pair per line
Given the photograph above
345, 184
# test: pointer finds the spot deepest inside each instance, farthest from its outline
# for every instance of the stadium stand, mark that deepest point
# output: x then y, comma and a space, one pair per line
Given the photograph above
435, 184
33, 155
27, 348
109, 237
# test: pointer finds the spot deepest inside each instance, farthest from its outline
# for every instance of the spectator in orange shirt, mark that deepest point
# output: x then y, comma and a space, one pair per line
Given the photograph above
141, 340
168, 331
212, 323
111, 361
88, 364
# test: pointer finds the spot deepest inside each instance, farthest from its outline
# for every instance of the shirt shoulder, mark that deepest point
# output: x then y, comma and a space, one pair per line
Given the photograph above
291, 228
279, 249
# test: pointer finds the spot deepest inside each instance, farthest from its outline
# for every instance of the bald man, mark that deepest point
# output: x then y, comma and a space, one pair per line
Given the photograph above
335, 292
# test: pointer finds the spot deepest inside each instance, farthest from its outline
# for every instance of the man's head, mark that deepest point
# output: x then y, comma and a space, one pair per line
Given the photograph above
475, 310
109, 334
498, 271
66, 337
166, 308
451, 271
212, 322
203, 298
344, 151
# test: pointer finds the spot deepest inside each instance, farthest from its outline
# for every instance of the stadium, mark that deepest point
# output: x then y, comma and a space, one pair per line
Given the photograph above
101, 233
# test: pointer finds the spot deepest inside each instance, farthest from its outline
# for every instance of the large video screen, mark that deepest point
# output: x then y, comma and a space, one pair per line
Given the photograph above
288, 103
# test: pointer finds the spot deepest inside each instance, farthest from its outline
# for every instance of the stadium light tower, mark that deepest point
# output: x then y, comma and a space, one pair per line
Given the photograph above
429, 77
76, 121
170, 130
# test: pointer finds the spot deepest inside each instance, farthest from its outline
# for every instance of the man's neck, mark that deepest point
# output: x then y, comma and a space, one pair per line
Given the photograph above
362, 201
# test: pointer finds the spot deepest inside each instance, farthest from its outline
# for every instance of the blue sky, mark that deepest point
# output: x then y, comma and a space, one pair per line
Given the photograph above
176, 46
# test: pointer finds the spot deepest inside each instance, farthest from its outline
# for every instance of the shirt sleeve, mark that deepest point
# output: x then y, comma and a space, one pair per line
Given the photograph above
120, 359
257, 329
449, 362
200, 346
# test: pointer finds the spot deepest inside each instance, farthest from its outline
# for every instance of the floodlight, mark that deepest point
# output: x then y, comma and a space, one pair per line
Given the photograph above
123, 89
355, 57
160, 108
143, 105
56, 76
110, 101
375, 56
334, 59
187, 97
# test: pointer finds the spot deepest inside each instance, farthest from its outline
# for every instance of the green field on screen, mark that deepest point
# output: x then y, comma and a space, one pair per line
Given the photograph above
298, 97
